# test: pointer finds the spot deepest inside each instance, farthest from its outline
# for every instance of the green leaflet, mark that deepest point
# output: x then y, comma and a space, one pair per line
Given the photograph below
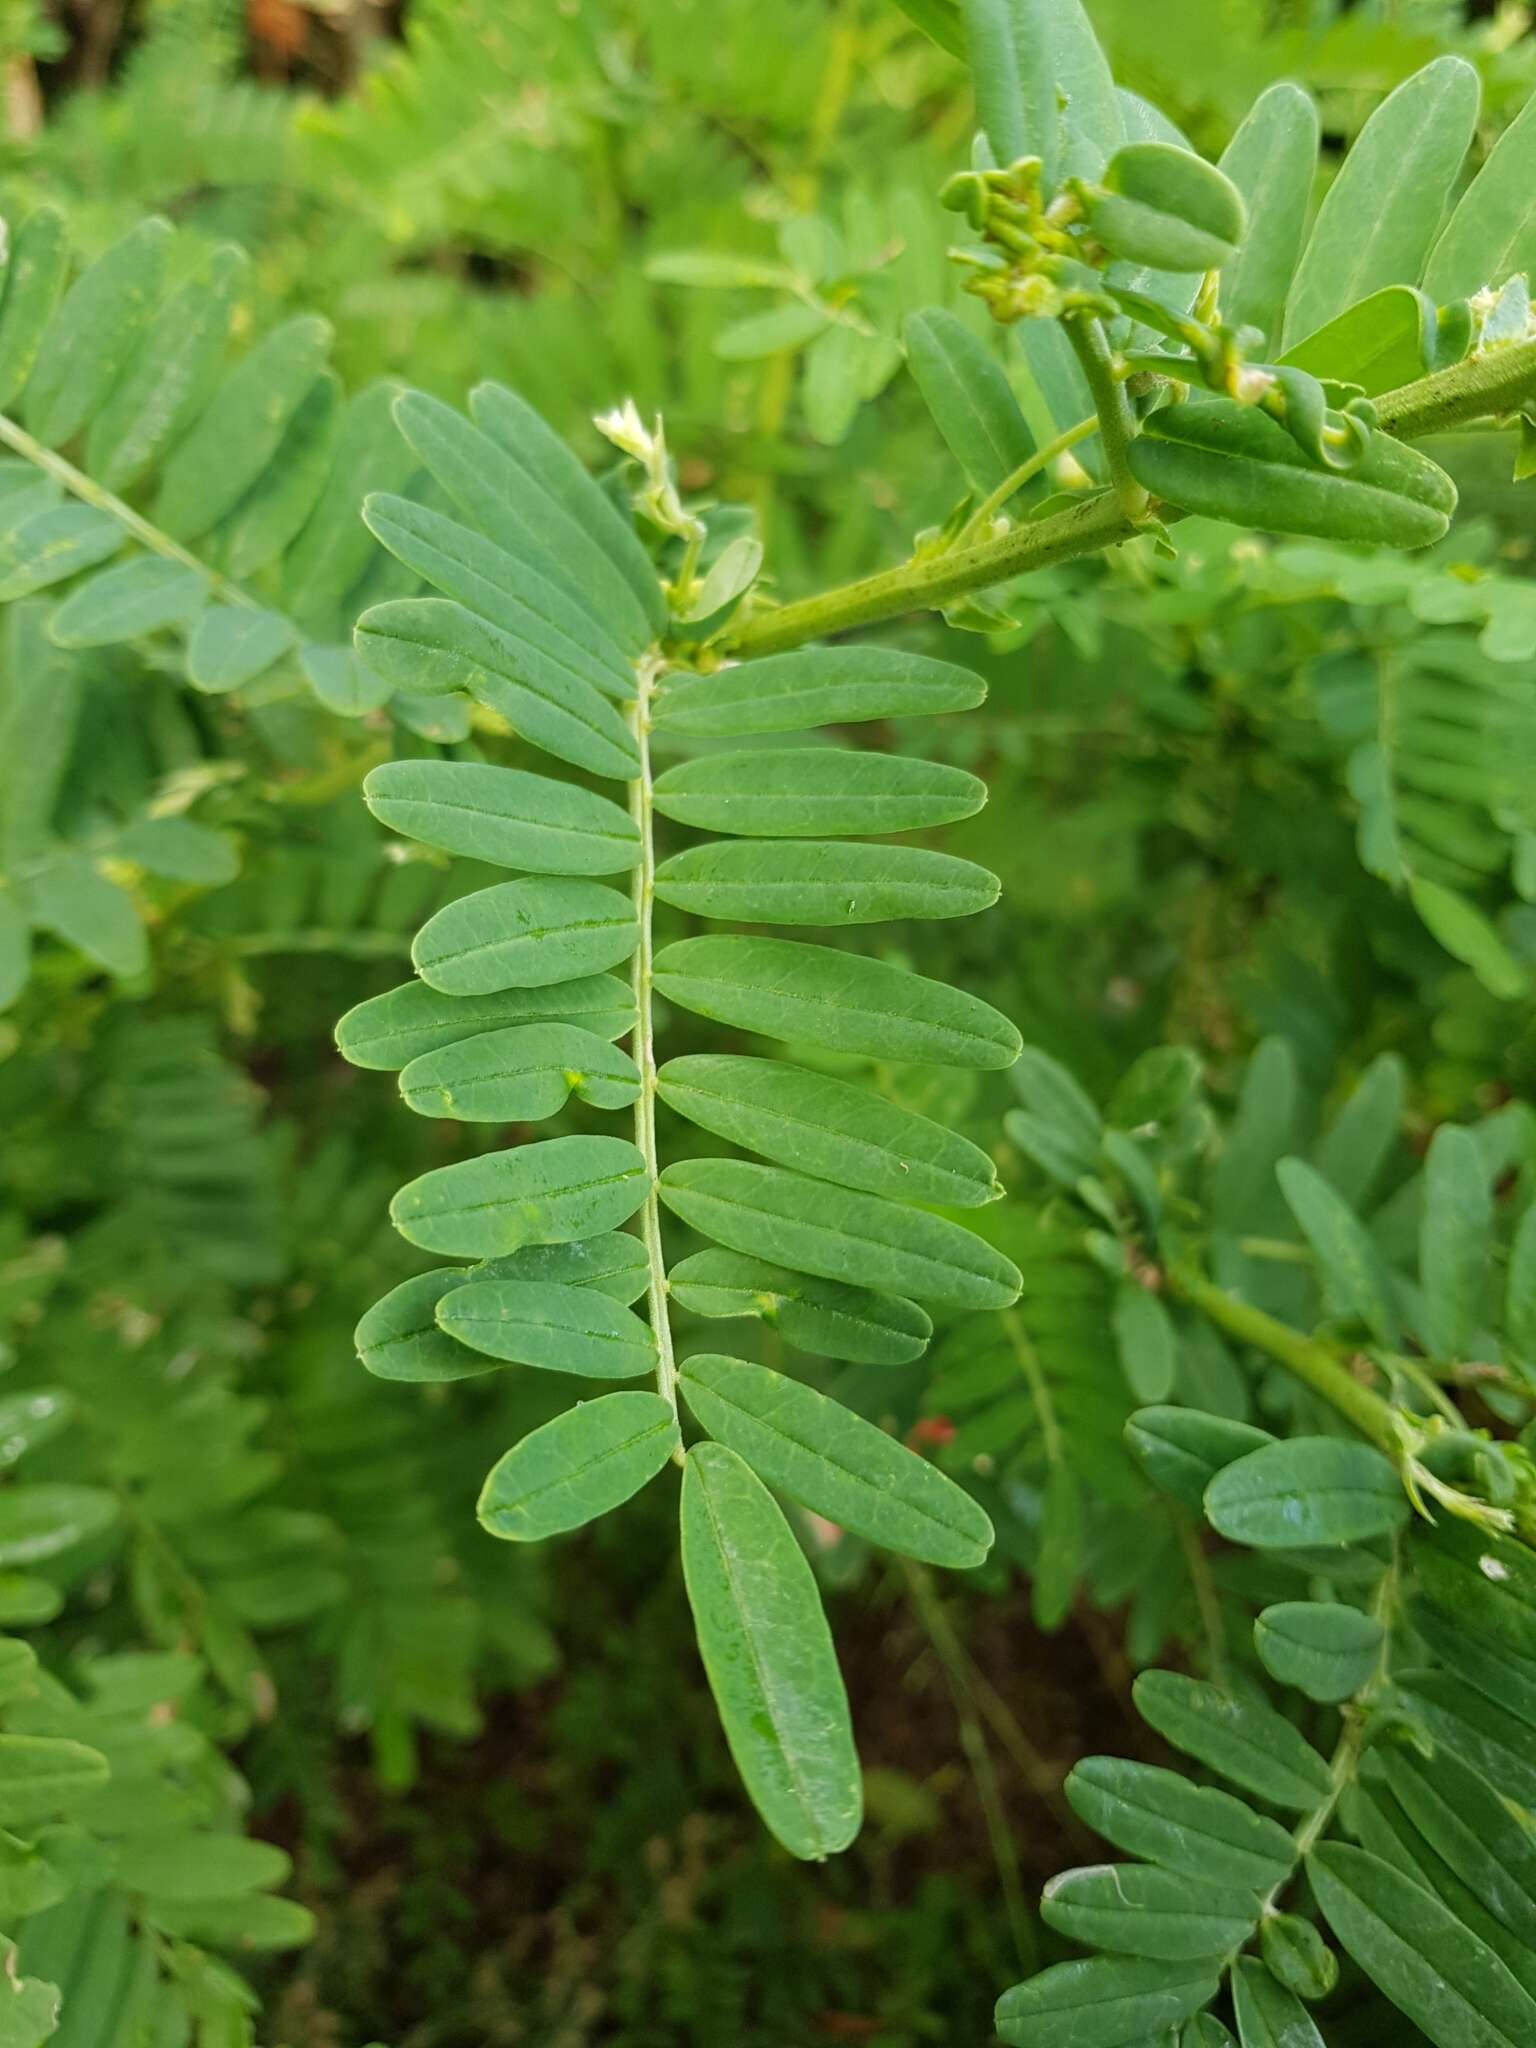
1298, 1959
232, 644
427, 644
73, 898
769, 334
1195, 1830
1466, 1822
42, 1776
42, 1522
95, 332
1135, 1909
828, 1128
1182, 1449
1496, 1743
1232, 461
1237, 1735
964, 387
1164, 206
1379, 343
768, 1656
541, 1323
1307, 1490
1491, 235
34, 277
54, 545
834, 1463
484, 578
516, 510
803, 791
1323, 1649
578, 1466
836, 1233
520, 1075
1104, 2002
1146, 1342
1059, 1128
816, 995
1520, 1289
552, 468
1272, 160
504, 816
333, 547
170, 376
239, 431
253, 1923
1357, 1277
15, 950
1269, 2016
819, 1316
343, 681
1454, 1236
614, 1263
524, 935
547, 1193
1042, 85
399, 1338
405, 1023
191, 1865
1432, 1967
179, 850
1358, 1143
1380, 213
127, 600
815, 686
254, 533
768, 881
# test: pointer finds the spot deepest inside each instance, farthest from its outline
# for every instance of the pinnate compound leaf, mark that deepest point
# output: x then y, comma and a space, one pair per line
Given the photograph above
819, 1316
828, 1128
503, 815
1381, 212
520, 1075
548, 1193
405, 1023
786, 989
558, 1328
1135, 1909
768, 1655
1196, 1830
1432, 1967
835, 1463
803, 791
838, 1233
524, 935
816, 686
1236, 1735
1307, 1490
1269, 2016
1104, 2002
1325, 1650
578, 1466
399, 1337
822, 882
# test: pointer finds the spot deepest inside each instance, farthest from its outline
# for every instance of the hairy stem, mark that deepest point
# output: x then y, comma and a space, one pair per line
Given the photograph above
643, 1039
1314, 1364
1112, 403
1496, 383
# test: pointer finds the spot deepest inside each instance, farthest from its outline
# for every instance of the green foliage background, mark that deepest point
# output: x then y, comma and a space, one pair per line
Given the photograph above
1216, 781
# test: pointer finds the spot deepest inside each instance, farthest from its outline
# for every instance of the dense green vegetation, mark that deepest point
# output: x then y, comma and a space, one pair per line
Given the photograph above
888, 664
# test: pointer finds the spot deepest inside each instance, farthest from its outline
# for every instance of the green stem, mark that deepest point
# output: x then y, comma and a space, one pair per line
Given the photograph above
643, 1039
1312, 1363
994, 502
1490, 384
80, 486
1112, 403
